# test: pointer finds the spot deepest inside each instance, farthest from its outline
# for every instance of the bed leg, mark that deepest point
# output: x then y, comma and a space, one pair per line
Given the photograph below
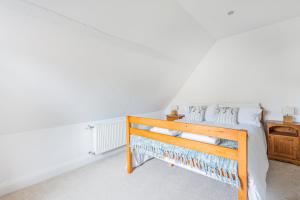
243, 165
243, 194
129, 161
129, 153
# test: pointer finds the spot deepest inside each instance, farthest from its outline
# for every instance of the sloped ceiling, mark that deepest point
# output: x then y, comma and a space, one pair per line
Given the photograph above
66, 61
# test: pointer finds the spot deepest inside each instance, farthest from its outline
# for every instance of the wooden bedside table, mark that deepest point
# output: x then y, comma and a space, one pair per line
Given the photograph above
174, 117
284, 141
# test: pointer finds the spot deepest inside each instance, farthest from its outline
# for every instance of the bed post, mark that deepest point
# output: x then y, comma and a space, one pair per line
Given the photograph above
242, 165
129, 154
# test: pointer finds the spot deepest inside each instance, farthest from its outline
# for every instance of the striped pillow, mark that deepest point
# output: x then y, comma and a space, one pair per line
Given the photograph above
227, 115
196, 113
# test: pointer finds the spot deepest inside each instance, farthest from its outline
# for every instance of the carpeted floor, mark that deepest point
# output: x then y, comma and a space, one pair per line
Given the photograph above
108, 180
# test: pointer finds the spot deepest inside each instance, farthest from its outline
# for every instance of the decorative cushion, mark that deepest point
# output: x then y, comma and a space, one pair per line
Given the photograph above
196, 113
250, 113
227, 115
200, 138
165, 131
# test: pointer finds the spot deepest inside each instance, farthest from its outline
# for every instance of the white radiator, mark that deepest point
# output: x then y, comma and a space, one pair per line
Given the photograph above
108, 135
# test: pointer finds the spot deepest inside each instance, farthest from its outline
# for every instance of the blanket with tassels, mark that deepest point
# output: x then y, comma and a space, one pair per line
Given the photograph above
222, 169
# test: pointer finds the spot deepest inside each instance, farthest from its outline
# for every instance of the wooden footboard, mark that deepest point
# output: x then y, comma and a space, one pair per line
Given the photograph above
240, 136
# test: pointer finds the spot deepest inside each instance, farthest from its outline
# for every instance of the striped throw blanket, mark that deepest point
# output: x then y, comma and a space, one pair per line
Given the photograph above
222, 169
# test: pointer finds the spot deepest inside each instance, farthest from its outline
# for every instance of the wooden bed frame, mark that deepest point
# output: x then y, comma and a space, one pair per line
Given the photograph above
240, 136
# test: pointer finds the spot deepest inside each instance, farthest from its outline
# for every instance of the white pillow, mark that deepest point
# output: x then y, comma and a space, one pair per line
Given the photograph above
240, 105
227, 115
200, 138
195, 113
210, 114
250, 116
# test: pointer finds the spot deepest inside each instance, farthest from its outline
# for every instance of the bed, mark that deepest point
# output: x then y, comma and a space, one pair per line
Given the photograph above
238, 159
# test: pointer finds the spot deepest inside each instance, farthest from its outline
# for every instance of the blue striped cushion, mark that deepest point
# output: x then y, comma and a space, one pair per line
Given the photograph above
196, 113
227, 115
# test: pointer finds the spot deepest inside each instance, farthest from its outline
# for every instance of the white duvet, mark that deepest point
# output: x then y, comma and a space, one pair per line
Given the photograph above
258, 163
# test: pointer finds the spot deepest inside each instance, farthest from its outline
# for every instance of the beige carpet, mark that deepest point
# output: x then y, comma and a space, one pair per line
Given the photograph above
107, 180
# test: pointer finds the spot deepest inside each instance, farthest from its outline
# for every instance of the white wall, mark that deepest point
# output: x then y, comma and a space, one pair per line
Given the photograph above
30, 157
258, 66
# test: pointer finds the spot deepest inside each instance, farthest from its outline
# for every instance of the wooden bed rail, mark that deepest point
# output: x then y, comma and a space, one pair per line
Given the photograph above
240, 136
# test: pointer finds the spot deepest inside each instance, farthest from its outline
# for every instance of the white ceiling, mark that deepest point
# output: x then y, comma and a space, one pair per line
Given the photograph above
70, 61
160, 25
249, 14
